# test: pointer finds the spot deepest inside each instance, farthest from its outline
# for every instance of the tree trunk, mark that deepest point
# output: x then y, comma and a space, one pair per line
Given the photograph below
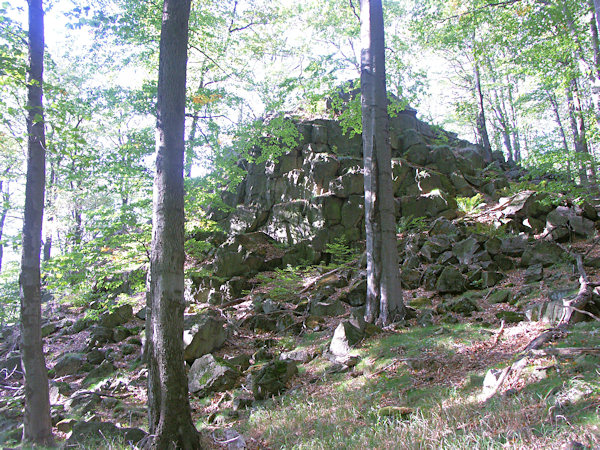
578, 140
49, 228
384, 293
561, 130
37, 426
481, 121
5, 199
169, 411
595, 78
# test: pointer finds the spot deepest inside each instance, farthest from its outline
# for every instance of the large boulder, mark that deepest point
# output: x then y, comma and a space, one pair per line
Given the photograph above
117, 316
465, 250
69, 364
451, 281
545, 253
203, 333
563, 221
247, 253
101, 433
271, 378
209, 374
346, 336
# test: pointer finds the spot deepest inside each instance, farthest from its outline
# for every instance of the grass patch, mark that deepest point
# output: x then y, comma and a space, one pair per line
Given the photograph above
343, 411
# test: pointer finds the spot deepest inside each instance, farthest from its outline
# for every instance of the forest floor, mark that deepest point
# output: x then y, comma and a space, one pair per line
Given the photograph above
443, 385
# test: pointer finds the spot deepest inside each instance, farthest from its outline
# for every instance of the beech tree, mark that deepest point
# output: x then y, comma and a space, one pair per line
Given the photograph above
384, 293
37, 426
169, 411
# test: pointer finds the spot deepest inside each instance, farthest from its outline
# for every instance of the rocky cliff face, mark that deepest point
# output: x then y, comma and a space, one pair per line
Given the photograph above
315, 192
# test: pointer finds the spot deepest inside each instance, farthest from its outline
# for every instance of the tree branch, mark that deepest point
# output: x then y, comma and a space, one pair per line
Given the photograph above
354, 10
503, 4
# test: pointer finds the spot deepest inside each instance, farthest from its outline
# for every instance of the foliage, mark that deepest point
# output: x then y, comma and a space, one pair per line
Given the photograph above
411, 223
9, 293
282, 284
341, 252
469, 205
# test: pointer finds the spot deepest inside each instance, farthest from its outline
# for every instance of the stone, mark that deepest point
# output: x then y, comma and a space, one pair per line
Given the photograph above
500, 296
346, 335
271, 378
99, 335
563, 220
418, 154
442, 226
209, 374
534, 273
118, 316
121, 333
431, 276
327, 308
68, 364
80, 324
348, 184
465, 250
202, 333
513, 245
451, 281
49, 328
503, 262
246, 253
544, 252
101, 433
443, 159
128, 349
65, 425
410, 278
402, 412
430, 205
462, 305
510, 316
588, 211
82, 402
104, 370
525, 204
299, 355
356, 294
435, 246
493, 246
491, 278
11, 366
95, 356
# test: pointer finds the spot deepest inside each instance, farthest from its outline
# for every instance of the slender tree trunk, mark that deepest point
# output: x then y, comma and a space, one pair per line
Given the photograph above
561, 129
384, 293
5, 199
578, 140
37, 426
49, 229
514, 122
169, 411
590, 165
189, 151
481, 121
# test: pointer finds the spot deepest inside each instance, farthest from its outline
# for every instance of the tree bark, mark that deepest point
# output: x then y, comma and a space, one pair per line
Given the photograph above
384, 293
37, 426
169, 411
481, 121
5, 206
578, 140
561, 129
49, 228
